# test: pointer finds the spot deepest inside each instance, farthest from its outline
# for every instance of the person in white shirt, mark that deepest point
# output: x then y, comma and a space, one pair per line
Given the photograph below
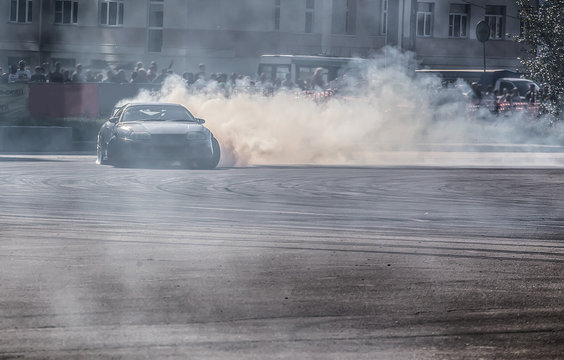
23, 74
12, 76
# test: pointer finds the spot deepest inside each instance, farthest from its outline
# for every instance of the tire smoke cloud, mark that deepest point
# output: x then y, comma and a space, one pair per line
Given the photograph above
387, 111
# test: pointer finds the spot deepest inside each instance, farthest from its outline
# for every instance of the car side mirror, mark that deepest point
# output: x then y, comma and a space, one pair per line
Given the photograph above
114, 120
200, 121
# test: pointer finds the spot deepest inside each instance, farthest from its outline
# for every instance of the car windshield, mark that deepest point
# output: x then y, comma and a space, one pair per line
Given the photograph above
157, 113
523, 86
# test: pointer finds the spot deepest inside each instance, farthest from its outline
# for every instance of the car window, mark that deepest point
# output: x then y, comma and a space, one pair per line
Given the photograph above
117, 112
157, 113
523, 87
506, 85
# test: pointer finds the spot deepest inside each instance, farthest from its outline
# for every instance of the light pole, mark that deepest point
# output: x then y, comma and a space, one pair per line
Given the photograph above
483, 35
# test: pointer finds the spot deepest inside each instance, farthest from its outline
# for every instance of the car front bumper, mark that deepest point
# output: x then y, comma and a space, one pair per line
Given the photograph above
162, 148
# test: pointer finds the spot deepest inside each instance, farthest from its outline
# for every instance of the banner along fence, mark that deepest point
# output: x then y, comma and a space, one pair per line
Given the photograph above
64, 100
13, 100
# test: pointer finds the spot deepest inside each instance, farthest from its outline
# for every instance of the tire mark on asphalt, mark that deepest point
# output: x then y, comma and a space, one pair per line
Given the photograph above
238, 245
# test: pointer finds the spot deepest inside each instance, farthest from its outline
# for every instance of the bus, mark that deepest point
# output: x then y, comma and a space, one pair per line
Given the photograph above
302, 67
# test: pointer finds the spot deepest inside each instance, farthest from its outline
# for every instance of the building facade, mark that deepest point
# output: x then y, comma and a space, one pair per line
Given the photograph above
230, 35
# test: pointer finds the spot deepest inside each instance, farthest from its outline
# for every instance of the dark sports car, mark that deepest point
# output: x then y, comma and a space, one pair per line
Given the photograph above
139, 132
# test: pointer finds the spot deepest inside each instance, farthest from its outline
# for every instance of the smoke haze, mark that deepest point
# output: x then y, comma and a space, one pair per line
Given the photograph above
390, 111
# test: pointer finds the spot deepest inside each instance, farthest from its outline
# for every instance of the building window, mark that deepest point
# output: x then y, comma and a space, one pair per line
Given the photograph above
344, 17
495, 17
66, 12
424, 19
21, 11
111, 12
310, 5
350, 17
458, 21
384, 18
523, 26
277, 15
155, 26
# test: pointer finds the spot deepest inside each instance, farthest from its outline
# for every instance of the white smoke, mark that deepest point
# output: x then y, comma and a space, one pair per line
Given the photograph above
388, 110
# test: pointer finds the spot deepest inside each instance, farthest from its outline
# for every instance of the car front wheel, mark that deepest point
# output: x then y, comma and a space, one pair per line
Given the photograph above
101, 153
211, 163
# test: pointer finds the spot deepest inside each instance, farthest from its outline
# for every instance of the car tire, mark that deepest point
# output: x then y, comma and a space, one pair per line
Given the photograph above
216, 153
115, 157
211, 163
101, 154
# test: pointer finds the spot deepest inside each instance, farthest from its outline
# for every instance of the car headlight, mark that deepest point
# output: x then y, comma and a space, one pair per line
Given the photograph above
124, 133
139, 136
196, 135
130, 134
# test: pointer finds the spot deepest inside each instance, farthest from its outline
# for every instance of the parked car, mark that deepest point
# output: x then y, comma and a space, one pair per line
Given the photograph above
522, 85
142, 132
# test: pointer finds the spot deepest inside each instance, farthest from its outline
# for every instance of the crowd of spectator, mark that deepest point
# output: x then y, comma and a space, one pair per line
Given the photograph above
224, 84
509, 99
196, 81
44, 74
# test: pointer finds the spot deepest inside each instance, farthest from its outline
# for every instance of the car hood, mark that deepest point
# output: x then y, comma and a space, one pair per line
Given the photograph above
162, 127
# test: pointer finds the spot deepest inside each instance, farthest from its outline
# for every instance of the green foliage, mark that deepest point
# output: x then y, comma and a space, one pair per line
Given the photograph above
543, 33
84, 129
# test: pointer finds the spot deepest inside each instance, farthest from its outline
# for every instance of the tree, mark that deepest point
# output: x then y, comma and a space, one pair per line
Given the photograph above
543, 33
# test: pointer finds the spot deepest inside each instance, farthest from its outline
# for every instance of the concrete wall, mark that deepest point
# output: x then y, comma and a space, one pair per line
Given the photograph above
35, 139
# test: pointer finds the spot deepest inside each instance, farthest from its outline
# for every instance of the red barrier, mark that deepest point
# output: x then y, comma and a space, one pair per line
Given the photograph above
63, 100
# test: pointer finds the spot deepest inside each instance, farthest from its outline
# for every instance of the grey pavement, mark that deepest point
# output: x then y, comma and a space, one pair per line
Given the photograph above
282, 262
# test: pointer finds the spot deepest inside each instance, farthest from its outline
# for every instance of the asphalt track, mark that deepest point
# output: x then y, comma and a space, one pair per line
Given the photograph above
282, 262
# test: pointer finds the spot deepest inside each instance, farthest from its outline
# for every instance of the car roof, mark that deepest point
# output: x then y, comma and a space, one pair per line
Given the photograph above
126, 105
152, 104
516, 79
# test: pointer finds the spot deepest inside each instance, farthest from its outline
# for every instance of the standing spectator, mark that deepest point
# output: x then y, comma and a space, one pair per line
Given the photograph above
77, 76
152, 72
496, 101
90, 77
12, 76
161, 78
188, 78
201, 72
133, 77
66, 76
317, 79
109, 76
3, 77
57, 75
515, 98
44, 67
531, 95
288, 83
38, 76
547, 100
23, 74
476, 94
120, 78
141, 77
233, 80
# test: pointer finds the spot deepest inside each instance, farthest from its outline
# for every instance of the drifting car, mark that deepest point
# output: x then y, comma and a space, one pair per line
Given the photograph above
143, 132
